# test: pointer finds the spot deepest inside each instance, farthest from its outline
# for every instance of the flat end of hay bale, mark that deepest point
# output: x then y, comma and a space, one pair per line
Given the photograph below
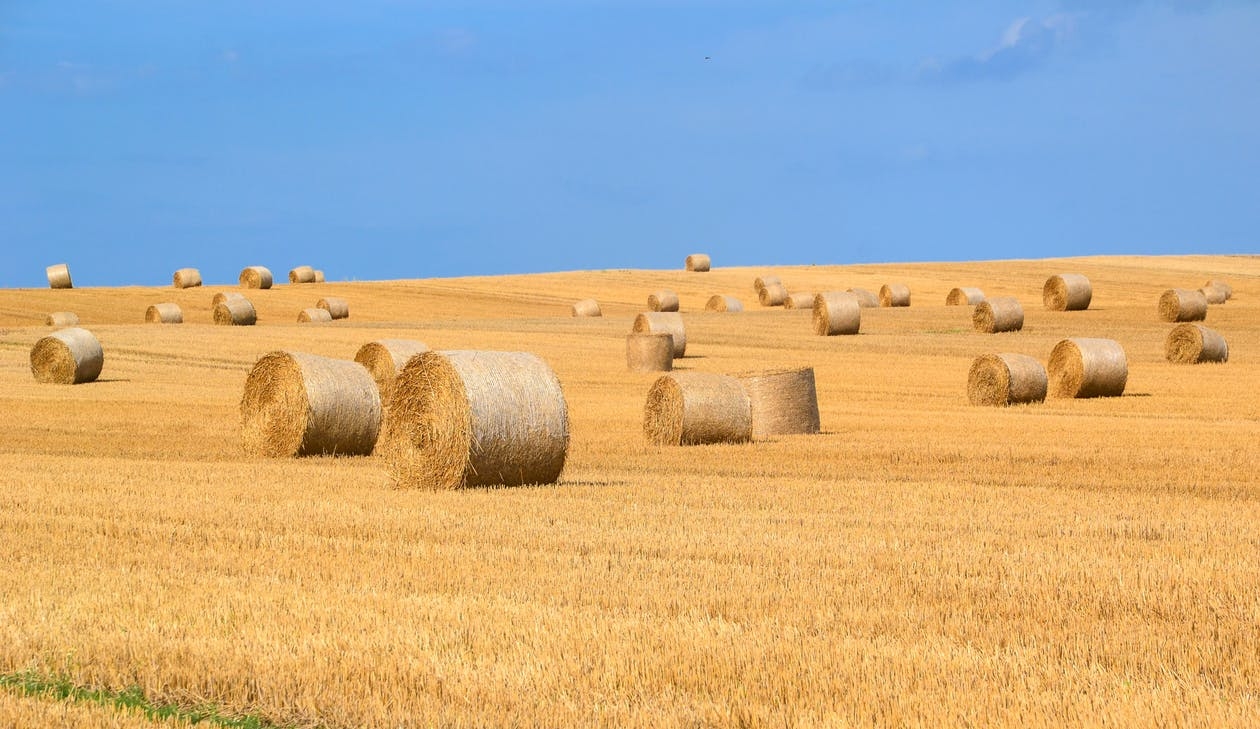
255, 277
1087, 367
698, 262
384, 359
1194, 344
67, 357
894, 295
586, 308
314, 316
697, 408
1006, 379
721, 303
1067, 292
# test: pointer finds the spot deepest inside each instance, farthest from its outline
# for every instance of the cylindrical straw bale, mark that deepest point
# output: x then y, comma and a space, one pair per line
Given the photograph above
761, 282
223, 296
319, 276
1006, 379
772, 295
1084, 367
477, 419
698, 262
964, 296
167, 313
782, 402
384, 359
256, 277
59, 276
719, 302
695, 408
314, 315
1222, 285
302, 274
235, 312
1215, 294
587, 307
649, 352
866, 299
664, 323
62, 319
186, 278
894, 295
1067, 292
998, 314
1183, 305
338, 308
800, 300
1195, 343
298, 404
663, 300
836, 312
67, 357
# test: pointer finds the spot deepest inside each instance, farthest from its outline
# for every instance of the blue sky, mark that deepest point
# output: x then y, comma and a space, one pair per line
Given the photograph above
411, 139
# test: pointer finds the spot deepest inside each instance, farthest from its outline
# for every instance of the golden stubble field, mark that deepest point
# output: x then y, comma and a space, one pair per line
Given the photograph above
921, 562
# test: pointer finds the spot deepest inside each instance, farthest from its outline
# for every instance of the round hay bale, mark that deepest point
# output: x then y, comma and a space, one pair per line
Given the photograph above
894, 295
866, 299
298, 404
964, 296
1006, 379
167, 313
649, 352
663, 300
1215, 294
801, 300
336, 307
67, 357
1195, 343
836, 312
223, 296
1183, 305
302, 274
772, 295
384, 359
317, 316
696, 408
998, 314
186, 278
235, 312
62, 319
761, 282
477, 419
720, 302
698, 262
782, 402
664, 323
1067, 292
587, 307
255, 277
319, 276
1224, 286
59, 276
1085, 367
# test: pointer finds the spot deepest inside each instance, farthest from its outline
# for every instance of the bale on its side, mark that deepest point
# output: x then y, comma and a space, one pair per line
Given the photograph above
223, 296
298, 404
801, 300
235, 312
1067, 292
782, 402
663, 300
719, 302
476, 419
337, 308
998, 314
1006, 379
67, 357
319, 276
167, 313
313, 315
664, 322
772, 295
866, 299
1183, 305
62, 319
1195, 343
698, 262
586, 307
59, 276
302, 274
761, 282
255, 277
696, 408
1222, 285
894, 295
649, 352
1215, 294
1085, 367
836, 312
964, 296
384, 359
186, 278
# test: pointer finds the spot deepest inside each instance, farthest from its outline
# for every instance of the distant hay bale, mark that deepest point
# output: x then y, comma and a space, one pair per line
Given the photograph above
866, 299
998, 314
1085, 367
235, 312
302, 274
298, 404
761, 282
186, 278
894, 295
1067, 292
223, 296
463, 419
663, 300
698, 262
964, 296
719, 302
836, 312
337, 308
1183, 305
800, 300
255, 277
59, 276
587, 307
697, 408
314, 315
772, 295
319, 276
664, 323
782, 402
384, 359
62, 319
1006, 379
1215, 294
1195, 343
649, 352
1223, 286
167, 313
67, 357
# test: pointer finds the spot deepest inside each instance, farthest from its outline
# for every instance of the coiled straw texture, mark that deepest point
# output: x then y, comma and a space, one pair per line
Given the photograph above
166, 313
761, 282
772, 295
964, 296
62, 319
1067, 292
67, 357
663, 300
800, 300
384, 359
697, 408
998, 314
302, 274
698, 262
664, 323
314, 316
1087, 367
256, 277
586, 307
894, 295
186, 278
782, 402
836, 312
235, 312
59, 276
336, 308
866, 299
1183, 305
718, 302
1006, 379
1195, 343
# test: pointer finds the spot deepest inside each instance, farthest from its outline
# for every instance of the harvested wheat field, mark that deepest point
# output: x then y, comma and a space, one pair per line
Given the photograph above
920, 562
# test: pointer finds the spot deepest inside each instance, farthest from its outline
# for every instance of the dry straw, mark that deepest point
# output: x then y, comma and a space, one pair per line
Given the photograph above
384, 359
235, 312
1006, 379
59, 276
319, 276
836, 312
1224, 287
998, 314
318, 316
62, 319
894, 295
695, 408
761, 282
964, 296
800, 300
663, 300
337, 308
223, 296
586, 307
298, 404
866, 299
1216, 293
167, 313
664, 323
772, 295
302, 274
719, 302
1183, 305
1084, 367
649, 352
1195, 343
477, 419
1067, 292
256, 277
698, 262
782, 402
67, 357
186, 278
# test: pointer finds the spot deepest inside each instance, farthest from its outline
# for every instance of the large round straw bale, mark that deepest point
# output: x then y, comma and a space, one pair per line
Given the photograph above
298, 404
998, 314
663, 300
587, 307
964, 296
1215, 294
761, 282
782, 402
1222, 285
59, 276
338, 308
1084, 367
894, 295
256, 277
167, 313
62, 319
235, 312
186, 278
800, 300
719, 302
302, 274
319, 276
223, 296
695, 408
836, 312
477, 419
1067, 292
1195, 343
314, 315
866, 299
664, 323
649, 352
772, 295
1006, 379
67, 357
698, 262
1183, 305
384, 359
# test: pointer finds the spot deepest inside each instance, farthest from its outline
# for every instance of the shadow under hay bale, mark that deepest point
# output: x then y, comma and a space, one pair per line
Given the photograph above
866, 299
62, 319
772, 295
1067, 292
67, 357
1195, 344
59, 276
1006, 379
664, 323
586, 308
663, 300
336, 308
836, 312
964, 296
782, 402
384, 359
698, 262
697, 408
165, 313
314, 316
235, 312
800, 300
302, 274
1087, 367
998, 314
1183, 305
186, 278
649, 352
255, 277
719, 302
894, 295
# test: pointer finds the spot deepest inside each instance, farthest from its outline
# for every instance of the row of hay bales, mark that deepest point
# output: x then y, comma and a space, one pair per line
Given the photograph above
698, 408
227, 308
251, 277
1185, 305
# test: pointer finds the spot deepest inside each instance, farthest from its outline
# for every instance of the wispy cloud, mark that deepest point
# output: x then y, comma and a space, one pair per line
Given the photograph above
1025, 45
